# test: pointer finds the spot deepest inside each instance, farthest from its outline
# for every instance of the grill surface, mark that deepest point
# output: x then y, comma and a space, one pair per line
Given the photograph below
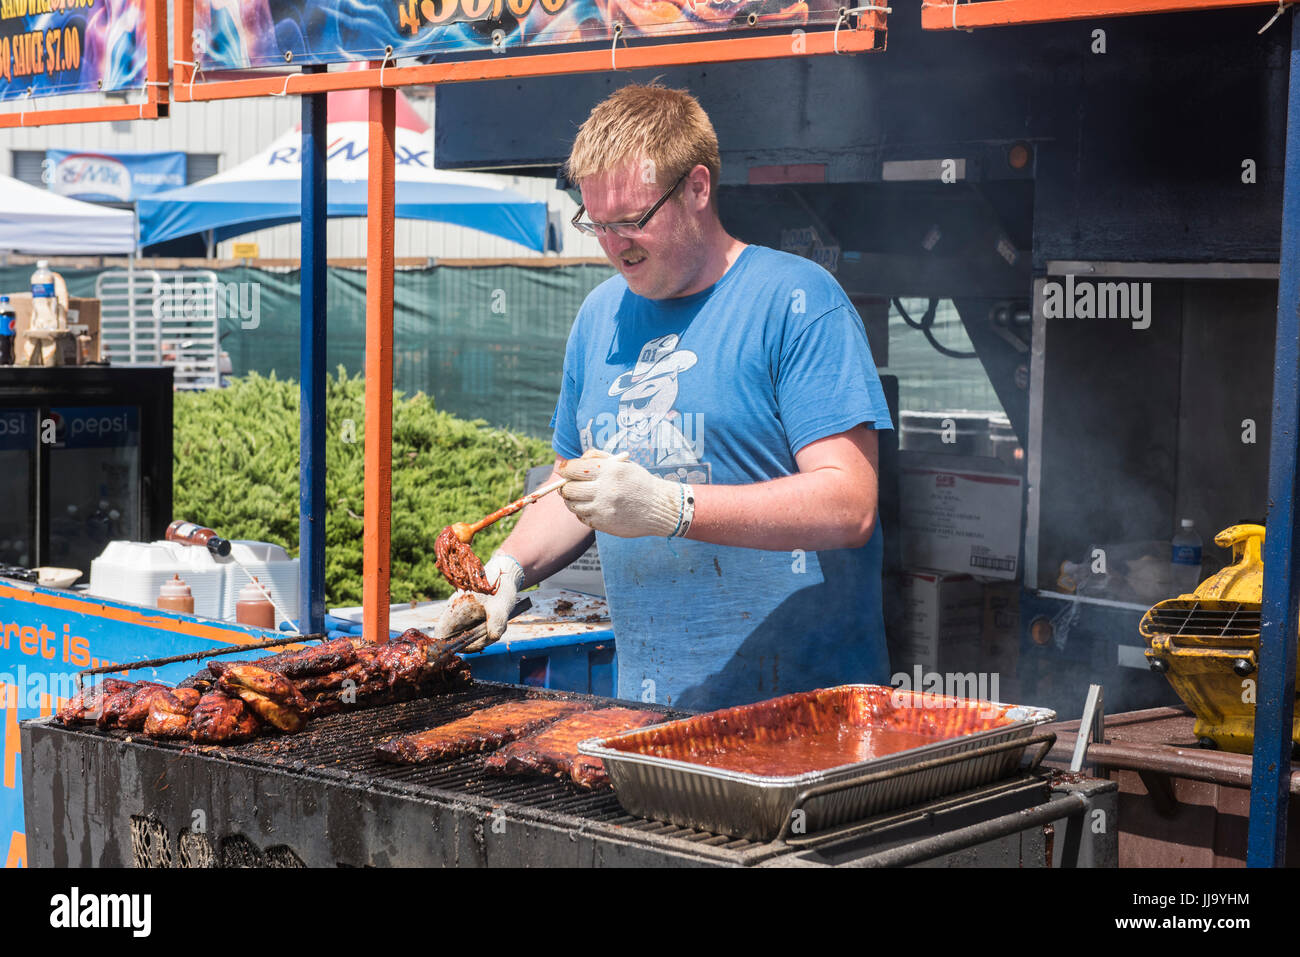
1203, 618
341, 747
322, 797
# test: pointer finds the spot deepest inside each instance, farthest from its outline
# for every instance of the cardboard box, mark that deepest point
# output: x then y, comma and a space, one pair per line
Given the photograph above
1000, 631
943, 616
81, 312
960, 514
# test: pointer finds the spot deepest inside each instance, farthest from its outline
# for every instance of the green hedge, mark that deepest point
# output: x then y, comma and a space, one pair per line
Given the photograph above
236, 470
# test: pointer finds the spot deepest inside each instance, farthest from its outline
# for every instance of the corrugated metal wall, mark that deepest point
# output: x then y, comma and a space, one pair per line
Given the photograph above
236, 129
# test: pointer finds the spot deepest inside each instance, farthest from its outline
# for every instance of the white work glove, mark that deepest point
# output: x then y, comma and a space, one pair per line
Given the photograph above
621, 498
467, 608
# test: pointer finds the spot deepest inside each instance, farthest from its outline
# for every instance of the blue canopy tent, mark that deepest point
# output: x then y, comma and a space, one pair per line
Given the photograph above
265, 190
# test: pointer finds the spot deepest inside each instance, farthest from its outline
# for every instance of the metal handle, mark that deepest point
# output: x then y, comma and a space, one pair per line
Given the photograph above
1045, 742
195, 656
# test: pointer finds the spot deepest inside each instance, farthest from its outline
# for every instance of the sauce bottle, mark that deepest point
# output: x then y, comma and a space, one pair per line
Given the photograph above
254, 607
175, 595
187, 533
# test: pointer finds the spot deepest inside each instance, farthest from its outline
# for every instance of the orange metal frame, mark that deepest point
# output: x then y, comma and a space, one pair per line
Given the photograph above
382, 190
867, 36
381, 81
953, 14
152, 107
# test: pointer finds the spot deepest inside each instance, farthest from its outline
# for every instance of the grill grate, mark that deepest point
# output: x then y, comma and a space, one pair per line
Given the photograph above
342, 746
1203, 619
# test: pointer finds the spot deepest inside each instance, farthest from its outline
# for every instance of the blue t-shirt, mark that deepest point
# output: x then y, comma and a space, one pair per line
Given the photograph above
724, 387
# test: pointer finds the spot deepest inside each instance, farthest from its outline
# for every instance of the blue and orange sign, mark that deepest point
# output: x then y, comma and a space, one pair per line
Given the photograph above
46, 637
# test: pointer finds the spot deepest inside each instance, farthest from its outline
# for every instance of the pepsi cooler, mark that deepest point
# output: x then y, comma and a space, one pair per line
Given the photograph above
86, 458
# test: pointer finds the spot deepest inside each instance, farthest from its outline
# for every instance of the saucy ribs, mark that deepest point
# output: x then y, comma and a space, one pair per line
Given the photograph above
554, 750
459, 565
480, 731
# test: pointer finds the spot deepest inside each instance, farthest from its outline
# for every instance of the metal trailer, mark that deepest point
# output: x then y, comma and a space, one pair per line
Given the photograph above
1159, 150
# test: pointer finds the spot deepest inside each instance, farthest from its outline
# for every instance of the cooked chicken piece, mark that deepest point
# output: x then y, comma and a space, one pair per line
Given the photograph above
220, 719
240, 674
170, 715
286, 717
88, 704
117, 704
134, 717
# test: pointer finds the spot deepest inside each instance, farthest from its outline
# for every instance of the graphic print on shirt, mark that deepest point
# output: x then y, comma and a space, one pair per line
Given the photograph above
647, 425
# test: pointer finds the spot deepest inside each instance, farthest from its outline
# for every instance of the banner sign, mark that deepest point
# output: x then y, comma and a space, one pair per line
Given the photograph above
46, 637
260, 33
50, 47
113, 177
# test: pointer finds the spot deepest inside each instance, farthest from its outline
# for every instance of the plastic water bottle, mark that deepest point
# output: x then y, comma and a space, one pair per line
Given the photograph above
45, 309
1185, 557
7, 332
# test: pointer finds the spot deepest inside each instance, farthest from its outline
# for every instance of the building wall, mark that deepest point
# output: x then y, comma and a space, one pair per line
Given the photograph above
236, 130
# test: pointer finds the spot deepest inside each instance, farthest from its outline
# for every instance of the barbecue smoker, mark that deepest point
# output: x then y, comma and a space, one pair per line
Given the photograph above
323, 798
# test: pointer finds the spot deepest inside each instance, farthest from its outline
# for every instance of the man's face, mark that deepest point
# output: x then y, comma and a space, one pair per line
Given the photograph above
664, 259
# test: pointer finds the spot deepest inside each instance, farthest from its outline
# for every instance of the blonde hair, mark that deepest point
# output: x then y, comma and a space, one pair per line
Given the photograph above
646, 122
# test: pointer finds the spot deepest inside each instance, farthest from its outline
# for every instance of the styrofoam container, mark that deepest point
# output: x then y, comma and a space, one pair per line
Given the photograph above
135, 571
275, 571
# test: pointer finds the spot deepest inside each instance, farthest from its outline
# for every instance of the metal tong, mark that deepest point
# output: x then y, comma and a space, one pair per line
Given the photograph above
472, 634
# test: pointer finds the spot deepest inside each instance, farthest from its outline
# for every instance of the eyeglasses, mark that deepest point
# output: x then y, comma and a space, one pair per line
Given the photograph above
623, 230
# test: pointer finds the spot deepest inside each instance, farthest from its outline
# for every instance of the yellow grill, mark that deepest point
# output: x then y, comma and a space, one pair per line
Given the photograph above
1207, 644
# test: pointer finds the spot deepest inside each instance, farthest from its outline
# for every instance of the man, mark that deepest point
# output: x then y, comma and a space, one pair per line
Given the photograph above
738, 537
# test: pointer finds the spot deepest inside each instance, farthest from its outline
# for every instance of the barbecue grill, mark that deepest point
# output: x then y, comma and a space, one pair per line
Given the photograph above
1207, 644
323, 798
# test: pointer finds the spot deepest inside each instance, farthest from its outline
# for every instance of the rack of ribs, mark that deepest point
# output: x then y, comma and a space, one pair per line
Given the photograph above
554, 750
481, 731
331, 656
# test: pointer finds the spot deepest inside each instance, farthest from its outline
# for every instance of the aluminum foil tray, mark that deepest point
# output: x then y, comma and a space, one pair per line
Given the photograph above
757, 806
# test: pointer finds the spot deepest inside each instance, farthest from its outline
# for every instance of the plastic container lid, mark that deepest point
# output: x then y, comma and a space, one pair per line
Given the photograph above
253, 592
176, 588
1187, 523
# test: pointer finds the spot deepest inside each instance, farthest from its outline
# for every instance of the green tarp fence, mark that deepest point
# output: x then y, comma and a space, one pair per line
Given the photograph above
487, 342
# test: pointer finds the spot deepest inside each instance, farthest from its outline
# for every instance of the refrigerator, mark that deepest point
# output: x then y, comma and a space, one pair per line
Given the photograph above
85, 458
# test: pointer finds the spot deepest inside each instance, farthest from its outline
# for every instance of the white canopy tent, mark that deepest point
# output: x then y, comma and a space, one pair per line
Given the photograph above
38, 221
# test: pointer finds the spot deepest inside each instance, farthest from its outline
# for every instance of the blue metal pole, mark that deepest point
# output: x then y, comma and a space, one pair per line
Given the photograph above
311, 430
1271, 770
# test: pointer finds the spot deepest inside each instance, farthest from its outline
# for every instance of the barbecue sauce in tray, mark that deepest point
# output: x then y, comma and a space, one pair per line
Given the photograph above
815, 731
